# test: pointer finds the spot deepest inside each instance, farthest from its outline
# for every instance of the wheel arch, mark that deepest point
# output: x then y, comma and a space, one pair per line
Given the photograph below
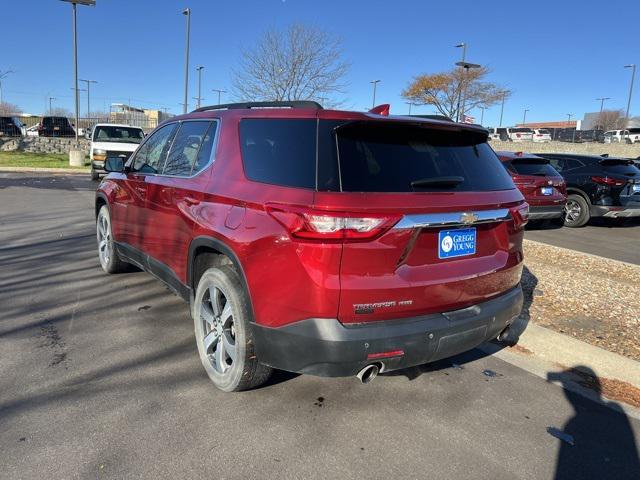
577, 191
101, 199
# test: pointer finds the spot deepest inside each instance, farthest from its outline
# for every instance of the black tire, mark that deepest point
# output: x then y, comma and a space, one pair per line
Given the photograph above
576, 211
109, 259
95, 176
221, 305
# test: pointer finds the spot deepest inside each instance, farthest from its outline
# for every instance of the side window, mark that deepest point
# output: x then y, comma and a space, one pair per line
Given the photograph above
185, 148
557, 164
571, 164
150, 157
205, 149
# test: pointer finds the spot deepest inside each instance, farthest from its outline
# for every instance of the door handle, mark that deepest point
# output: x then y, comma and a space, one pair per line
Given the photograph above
191, 201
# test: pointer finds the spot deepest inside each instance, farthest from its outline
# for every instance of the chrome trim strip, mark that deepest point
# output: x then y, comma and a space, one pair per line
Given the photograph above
430, 220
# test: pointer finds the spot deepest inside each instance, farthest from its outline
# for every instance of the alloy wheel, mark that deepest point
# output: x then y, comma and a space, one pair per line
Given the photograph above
105, 246
572, 211
219, 339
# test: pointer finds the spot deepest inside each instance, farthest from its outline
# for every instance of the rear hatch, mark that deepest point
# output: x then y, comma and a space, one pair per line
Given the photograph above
447, 219
622, 179
538, 181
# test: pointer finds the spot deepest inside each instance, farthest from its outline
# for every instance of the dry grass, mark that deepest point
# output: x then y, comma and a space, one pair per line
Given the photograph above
613, 149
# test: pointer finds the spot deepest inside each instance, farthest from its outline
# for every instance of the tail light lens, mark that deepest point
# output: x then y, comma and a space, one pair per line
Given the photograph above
520, 215
307, 224
611, 182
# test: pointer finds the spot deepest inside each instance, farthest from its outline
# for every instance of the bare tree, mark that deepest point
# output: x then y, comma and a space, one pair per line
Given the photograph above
442, 90
301, 63
60, 112
610, 120
9, 109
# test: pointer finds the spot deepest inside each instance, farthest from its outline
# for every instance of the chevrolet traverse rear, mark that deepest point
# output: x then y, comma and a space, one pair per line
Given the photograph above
325, 242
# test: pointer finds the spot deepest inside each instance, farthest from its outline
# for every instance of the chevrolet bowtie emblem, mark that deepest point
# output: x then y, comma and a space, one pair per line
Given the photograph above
468, 218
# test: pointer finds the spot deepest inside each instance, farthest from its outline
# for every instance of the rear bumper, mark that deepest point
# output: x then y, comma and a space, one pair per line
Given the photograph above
546, 212
327, 348
614, 212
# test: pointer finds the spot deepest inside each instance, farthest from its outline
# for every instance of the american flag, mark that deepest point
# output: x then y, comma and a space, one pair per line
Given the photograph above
468, 119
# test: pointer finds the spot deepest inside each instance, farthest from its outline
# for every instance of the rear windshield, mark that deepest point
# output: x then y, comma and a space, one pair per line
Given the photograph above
620, 167
114, 134
390, 157
368, 156
533, 166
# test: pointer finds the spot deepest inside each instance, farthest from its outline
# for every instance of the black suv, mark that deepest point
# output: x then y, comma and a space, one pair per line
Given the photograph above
56, 127
10, 127
597, 186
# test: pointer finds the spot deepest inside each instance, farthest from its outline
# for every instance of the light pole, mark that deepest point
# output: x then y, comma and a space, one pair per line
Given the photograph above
466, 66
50, 105
573, 137
464, 55
524, 117
3, 75
185, 105
482, 109
410, 104
632, 66
74, 4
602, 99
219, 92
199, 69
88, 82
504, 94
375, 83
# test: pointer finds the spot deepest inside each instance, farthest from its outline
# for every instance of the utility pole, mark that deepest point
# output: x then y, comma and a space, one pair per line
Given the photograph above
464, 56
524, 117
375, 84
573, 137
632, 66
88, 82
187, 13
199, 98
504, 94
219, 92
3, 75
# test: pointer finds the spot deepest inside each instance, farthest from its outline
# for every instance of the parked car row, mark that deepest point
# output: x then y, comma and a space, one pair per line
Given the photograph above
11, 126
520, 134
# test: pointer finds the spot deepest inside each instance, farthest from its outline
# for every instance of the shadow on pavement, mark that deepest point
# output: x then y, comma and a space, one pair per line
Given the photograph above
592, 445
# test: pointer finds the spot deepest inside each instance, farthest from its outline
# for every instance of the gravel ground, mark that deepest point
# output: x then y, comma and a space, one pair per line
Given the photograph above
591, 298
613, 149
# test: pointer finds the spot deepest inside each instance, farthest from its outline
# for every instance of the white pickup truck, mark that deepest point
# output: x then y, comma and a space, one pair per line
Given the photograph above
112, 140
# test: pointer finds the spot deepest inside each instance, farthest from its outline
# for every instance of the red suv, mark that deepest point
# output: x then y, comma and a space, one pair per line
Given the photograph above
325, 242
543, 187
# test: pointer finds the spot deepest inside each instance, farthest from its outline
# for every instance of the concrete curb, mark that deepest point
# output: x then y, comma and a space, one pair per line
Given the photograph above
561, 349
44, 170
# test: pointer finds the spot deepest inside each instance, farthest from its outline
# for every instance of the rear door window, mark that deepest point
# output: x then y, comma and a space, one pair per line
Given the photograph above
399, 157
279, 151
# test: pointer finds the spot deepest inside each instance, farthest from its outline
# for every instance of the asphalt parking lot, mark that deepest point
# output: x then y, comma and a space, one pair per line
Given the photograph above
616, 239
100, 379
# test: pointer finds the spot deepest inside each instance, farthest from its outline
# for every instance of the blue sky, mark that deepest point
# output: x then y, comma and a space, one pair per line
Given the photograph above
557, 56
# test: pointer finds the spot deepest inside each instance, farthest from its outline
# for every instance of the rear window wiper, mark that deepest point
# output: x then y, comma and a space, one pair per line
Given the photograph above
438, 182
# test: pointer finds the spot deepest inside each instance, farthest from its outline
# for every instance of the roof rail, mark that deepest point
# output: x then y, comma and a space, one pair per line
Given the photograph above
292, 104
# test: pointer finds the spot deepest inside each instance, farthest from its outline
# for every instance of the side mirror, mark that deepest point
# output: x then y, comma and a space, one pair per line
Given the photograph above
114, 164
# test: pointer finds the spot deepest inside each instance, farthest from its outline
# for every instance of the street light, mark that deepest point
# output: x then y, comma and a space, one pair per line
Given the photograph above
464, 55
199, 69
410, 104
74, 4
573, 137
219, 92
187, 13
602, 99
50, 106
88, 82
504, 94
466, 66
3, 75
375, 83
524, 117
632, 66
482, 109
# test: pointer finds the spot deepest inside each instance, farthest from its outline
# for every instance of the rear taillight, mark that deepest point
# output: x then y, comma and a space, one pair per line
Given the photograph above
611, 182
518, 180
520, 215
307, 224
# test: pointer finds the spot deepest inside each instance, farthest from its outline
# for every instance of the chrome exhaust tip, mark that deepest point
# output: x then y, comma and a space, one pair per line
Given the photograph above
368, 373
